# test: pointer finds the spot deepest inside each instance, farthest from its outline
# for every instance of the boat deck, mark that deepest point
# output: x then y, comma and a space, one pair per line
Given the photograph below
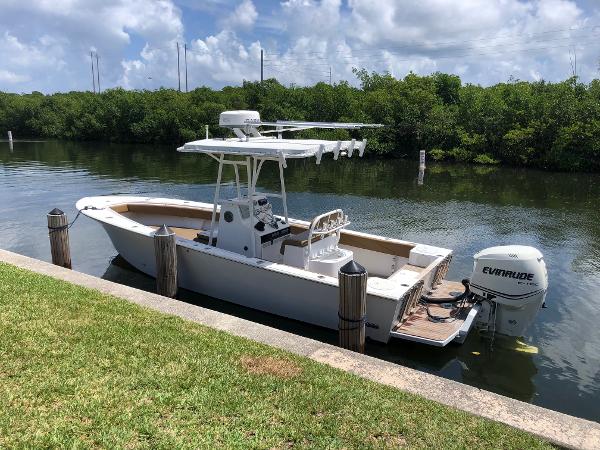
185, 233
419, 327
416, 324
447, 289
192, 234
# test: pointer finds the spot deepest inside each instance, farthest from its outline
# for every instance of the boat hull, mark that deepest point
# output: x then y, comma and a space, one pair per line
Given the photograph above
242, 281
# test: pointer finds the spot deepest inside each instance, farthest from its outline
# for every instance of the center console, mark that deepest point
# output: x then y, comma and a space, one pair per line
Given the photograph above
259, 236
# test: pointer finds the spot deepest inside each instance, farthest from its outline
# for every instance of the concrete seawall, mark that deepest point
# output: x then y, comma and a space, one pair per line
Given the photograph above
561, 429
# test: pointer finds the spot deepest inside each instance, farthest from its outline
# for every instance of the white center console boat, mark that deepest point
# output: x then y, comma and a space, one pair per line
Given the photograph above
238, 250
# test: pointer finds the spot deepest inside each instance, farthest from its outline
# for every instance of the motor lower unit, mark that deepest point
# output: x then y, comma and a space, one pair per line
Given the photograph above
511, 283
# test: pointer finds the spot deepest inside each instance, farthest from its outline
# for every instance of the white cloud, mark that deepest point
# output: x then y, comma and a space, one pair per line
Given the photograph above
47, 42
22, 62
156, 67
6, 76
485, 41
244, 16
215, 61
225, 59
133, 73
309, 18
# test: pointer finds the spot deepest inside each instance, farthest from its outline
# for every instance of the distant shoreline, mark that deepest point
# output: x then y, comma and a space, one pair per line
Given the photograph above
549, 126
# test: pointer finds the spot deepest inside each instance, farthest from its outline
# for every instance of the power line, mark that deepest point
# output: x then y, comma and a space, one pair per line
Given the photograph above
369, 49
388, 55
313, 75
298, 68
305, 72
431, 50
452, 43
284, 64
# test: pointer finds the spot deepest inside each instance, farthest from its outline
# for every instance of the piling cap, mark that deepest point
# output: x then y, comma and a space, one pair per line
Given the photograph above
163, 231
56, 212
353, 268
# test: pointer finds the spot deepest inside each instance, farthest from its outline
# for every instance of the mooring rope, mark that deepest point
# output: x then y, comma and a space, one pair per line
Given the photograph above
361, 320
69, 225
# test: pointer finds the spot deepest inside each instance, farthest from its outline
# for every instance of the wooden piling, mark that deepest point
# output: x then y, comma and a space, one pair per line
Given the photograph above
58, 232
10, 136
352, 310
165, 253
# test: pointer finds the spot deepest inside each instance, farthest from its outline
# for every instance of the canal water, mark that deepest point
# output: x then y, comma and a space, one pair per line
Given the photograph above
466, 208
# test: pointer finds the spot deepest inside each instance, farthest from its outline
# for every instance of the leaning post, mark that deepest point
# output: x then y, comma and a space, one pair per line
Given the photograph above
58, 232
10, 136
352, 310
165, 253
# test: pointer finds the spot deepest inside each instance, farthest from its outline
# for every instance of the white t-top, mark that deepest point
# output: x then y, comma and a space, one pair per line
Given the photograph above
266, 146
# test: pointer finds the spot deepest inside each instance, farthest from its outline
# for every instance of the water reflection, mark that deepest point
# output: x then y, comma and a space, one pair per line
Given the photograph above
461, 207
498, 186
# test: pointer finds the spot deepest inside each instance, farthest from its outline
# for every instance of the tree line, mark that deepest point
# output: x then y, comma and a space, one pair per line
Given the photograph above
535, 124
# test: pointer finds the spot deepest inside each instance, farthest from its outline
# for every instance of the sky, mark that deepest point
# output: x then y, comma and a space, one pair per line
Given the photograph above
45, 45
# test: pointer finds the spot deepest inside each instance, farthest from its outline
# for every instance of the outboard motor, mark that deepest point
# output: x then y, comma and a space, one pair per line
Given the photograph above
511, 282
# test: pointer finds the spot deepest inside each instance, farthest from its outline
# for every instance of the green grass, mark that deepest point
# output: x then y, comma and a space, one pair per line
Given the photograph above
82, 369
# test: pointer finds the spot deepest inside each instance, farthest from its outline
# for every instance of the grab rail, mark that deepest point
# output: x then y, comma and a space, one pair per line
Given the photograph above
330, 222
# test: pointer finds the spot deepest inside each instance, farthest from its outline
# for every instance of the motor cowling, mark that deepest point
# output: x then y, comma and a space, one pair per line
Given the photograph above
514, 280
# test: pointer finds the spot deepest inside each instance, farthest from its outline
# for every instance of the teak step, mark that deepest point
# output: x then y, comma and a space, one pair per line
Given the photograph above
419, 327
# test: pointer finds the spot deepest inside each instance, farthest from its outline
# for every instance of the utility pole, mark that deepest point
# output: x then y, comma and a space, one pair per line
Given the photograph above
261, 65
573, 64
185, 59
93, 75
329, 75
178, 72
98, 72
